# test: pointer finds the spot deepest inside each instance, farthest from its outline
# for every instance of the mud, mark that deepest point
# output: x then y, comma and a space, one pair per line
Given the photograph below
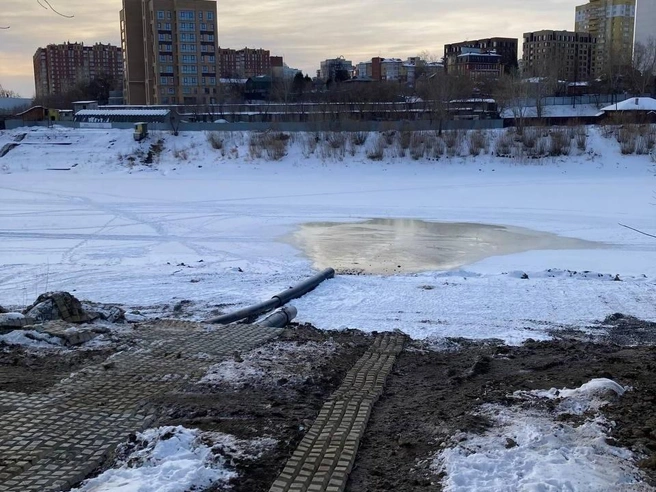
24, 371
283, 411
431, 396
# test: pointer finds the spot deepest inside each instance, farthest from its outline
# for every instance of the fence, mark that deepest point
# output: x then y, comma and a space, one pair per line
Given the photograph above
347, 126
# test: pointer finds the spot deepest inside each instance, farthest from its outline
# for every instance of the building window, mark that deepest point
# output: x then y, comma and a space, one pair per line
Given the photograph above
200, 15
186, 15
210, 16
160, 14
171, 90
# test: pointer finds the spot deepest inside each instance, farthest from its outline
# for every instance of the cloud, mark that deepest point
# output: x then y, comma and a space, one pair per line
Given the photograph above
304, 32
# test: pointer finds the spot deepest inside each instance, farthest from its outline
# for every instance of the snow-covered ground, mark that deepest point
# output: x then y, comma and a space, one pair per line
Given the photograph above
209, 225
175, 459
528, 450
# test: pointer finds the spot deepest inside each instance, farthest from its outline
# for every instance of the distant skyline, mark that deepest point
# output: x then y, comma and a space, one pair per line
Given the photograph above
303, 32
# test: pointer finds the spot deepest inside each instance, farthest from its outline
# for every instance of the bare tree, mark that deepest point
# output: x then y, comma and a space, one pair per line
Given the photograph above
514, 95
48, 6
439, 90
7, 93
644, 66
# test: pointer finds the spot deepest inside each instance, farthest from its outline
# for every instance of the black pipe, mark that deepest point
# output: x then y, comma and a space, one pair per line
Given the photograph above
276, 301
280, 318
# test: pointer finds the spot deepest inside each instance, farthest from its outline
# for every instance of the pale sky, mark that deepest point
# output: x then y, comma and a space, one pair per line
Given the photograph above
303, 31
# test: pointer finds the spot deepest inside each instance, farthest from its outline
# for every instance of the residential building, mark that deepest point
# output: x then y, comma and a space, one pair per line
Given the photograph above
563, 55
396, 70
505, 47
247, 62
645, 22
332, 68
170, 49
612, 23
363, 70
253, 62
60, 67
476, 63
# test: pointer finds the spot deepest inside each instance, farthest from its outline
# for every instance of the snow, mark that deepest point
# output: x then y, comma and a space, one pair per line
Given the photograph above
591, 396
122, 112
633, 104
555, 111
529, 450
31, 339
269, 364
173, 459
210, 225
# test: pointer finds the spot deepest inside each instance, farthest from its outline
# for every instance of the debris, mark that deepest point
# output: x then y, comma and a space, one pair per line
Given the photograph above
58, 305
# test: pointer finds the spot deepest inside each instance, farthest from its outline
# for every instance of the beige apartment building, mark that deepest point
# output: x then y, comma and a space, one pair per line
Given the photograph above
612, 23
170, 49
563, 55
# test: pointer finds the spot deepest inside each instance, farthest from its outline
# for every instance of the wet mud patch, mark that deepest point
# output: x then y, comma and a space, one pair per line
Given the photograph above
280, 401
433, 396
26, 371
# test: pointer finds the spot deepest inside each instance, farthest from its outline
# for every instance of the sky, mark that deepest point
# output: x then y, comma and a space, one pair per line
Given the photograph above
303, 31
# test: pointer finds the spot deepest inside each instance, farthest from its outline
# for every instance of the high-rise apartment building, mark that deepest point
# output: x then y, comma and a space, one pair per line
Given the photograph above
563, 55
611, 22
170, 51
58, 68
645, 22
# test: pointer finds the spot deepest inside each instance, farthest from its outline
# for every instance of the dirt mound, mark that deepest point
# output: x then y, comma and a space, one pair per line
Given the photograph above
431, 397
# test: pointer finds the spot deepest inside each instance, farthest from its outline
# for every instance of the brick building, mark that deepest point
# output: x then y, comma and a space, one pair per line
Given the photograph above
562, 55
246, 63
475, 63
505, 47
60, 67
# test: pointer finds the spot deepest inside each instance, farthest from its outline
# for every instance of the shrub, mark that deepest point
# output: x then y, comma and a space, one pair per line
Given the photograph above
504, 144
581, 136
215, 140
376, 152
274, 144
477, 142
529, 137
404, 139
181, 154
418, 146
337, 140
560, 142
452, 140
309, 144
389, 137
359, 138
